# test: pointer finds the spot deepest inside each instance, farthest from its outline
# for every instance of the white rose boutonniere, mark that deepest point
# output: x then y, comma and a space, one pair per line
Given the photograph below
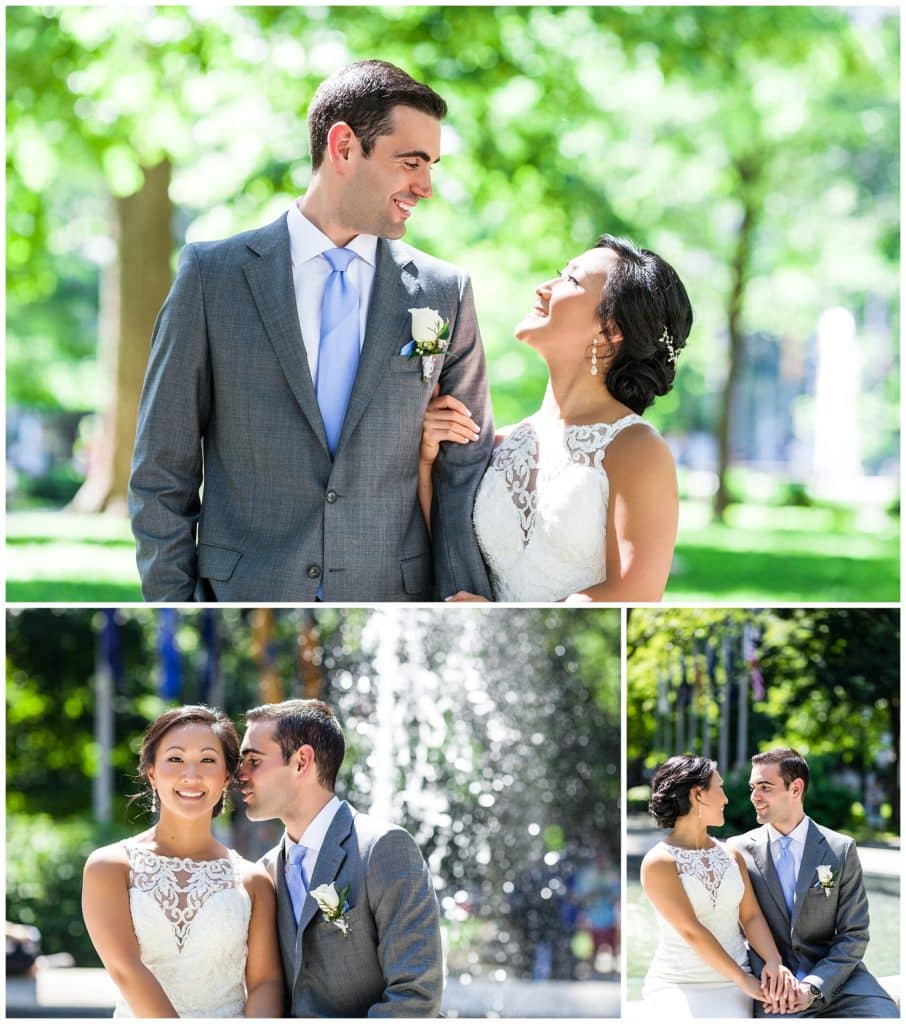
333, 905
430, 337
826, 879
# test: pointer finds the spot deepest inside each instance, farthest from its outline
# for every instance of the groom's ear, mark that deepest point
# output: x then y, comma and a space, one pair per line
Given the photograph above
341, 140
304, 758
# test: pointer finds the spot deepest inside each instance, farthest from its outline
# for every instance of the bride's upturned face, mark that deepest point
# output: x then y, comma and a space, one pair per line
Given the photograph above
712, 801
189, 770
565, 310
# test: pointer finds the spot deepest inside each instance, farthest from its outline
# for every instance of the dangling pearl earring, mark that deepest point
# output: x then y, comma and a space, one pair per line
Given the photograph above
594, 356
154, 801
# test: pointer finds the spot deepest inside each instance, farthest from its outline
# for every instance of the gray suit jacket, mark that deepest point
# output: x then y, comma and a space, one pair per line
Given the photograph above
825, 938
229, 403
391, 962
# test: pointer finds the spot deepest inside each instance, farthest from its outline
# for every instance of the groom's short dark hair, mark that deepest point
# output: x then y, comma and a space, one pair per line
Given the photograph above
790, 763
364, 95
306, 722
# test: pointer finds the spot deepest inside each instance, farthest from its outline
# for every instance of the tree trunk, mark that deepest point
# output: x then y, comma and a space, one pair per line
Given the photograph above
133, 289
740, 272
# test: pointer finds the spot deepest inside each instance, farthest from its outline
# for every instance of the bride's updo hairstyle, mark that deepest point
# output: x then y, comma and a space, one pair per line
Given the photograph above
673, 782
191, 714
647, 303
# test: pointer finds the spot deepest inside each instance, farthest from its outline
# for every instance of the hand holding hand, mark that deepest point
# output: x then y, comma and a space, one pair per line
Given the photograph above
778, 987
446, 419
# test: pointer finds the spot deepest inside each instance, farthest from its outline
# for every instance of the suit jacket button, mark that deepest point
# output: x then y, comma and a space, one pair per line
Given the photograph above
331, 497
314, 572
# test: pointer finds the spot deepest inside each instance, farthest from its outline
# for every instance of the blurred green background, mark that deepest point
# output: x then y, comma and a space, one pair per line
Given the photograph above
755, 148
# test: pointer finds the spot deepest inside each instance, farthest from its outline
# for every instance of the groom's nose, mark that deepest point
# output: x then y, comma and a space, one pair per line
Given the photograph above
421, 184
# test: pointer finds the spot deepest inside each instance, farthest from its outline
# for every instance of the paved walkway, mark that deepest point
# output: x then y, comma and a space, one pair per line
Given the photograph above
89, 992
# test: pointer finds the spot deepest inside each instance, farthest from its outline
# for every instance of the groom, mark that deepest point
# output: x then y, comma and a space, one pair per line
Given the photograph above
277, 444
808, 882
377, 952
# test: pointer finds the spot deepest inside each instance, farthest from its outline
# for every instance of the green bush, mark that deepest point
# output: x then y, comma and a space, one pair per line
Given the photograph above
44, 862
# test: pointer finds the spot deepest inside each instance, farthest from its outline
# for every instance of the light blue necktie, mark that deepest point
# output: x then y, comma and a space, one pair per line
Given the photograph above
338, 351
786, 871
296, 881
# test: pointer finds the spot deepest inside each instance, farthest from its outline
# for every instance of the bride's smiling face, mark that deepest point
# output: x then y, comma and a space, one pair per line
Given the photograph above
189, 770
712, 801
566, 306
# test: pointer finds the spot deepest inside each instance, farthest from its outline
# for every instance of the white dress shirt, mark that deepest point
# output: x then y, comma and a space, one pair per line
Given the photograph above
797, 846
313, 838
310, 273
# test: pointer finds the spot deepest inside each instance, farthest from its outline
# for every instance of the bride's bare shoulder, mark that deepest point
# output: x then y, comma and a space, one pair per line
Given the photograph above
657, 856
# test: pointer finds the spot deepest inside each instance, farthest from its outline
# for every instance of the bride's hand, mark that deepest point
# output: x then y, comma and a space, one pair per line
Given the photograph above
446, 419
777, 986
461, 596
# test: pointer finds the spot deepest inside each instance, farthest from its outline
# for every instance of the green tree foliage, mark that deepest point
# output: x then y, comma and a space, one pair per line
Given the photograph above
831, 680
756, 148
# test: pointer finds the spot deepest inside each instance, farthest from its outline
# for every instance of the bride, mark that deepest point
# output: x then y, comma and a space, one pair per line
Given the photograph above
184, 926
579, 501
705, 907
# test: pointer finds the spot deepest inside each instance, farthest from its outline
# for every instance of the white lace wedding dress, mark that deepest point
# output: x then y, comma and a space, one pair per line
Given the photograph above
191, 919
540, 513
679, 982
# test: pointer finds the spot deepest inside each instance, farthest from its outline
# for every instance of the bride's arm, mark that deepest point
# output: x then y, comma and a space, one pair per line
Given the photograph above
776, 979
263, 970
105, 908
664, 889
642, 518
446, 419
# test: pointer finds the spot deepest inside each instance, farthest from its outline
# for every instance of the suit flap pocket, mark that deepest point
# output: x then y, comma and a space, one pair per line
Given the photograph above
216, 563
417, 573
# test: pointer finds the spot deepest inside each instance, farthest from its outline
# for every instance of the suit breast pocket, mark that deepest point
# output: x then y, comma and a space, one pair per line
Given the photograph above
409, 369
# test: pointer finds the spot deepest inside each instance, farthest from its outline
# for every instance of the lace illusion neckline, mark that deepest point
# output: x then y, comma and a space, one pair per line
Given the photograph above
145, 852
707, 866
181, 886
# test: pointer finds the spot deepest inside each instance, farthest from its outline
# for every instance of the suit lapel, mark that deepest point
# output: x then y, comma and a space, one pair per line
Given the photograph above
330, 858
761, 855
815, 853
394, 292
270, 277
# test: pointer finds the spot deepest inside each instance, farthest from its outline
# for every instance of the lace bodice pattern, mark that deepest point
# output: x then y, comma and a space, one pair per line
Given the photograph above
191, 919
540, 513
714, 886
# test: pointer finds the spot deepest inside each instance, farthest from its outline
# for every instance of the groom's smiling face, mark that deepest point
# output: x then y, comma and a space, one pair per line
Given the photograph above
775, 803
381, 190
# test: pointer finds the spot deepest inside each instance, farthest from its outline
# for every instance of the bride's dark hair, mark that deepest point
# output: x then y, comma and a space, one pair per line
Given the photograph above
645, 301
190, 714
673, 782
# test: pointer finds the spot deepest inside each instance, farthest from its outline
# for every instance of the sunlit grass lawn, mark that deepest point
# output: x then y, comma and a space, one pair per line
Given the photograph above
764, 555
784, 554
58, 556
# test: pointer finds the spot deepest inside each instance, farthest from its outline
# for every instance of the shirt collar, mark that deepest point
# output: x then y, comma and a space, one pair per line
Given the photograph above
798, 835
307, 242
313, 837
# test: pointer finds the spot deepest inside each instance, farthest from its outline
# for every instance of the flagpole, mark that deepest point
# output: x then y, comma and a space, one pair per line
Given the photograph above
102, 786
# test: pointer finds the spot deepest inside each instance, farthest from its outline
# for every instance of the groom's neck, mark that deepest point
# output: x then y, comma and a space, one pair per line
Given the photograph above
307, 808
